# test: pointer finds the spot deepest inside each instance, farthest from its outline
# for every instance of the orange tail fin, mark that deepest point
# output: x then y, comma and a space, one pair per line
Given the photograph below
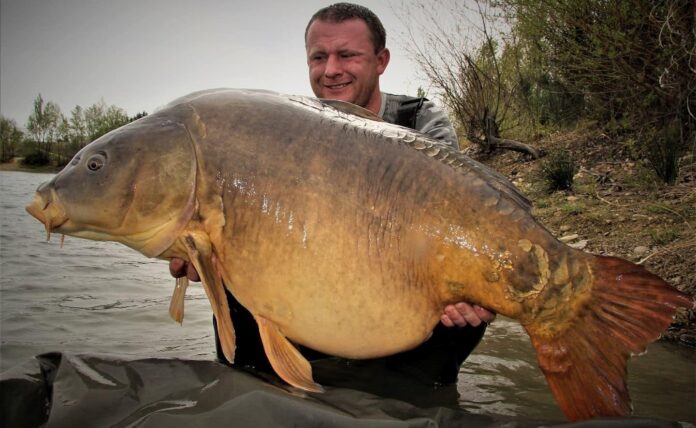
585, 365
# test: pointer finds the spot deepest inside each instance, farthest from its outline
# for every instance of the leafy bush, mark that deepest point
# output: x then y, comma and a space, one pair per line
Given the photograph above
36, 158
10, 139
626, 63
663, 151
558, 170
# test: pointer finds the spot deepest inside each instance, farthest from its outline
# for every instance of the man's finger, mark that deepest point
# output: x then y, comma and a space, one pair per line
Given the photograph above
484, 314
191, 273
177, 267
468, 313
459, 317
446, 321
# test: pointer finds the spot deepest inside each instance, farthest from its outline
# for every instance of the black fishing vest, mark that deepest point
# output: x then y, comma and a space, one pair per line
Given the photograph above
408, 110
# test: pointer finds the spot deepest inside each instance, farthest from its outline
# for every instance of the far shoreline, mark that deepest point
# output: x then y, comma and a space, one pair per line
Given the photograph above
16, 165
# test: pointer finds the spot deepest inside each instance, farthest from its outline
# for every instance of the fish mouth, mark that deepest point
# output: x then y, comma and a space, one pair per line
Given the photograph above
48, 212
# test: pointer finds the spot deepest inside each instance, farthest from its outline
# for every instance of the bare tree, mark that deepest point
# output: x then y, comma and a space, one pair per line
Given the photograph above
463, 62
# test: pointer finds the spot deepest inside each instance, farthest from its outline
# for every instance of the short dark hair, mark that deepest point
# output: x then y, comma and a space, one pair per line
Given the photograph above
340, 12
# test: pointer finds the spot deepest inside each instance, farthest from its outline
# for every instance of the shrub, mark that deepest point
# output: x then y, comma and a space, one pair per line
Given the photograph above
663, 150
36, 158
558, 170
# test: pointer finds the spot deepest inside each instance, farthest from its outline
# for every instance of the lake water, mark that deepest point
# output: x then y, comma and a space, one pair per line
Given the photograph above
102, 297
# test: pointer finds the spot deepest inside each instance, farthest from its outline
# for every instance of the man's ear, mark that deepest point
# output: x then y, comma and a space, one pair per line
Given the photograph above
383, 60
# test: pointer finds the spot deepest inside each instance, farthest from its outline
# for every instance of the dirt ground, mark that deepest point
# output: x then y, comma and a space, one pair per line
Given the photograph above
617, 207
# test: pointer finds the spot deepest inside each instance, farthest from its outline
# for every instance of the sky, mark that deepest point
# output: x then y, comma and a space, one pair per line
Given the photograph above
141, 54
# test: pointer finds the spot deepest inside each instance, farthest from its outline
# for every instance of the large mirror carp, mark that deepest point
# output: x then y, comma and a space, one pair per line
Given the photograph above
318, 219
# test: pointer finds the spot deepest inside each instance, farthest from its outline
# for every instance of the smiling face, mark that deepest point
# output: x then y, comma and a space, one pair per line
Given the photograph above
343, 64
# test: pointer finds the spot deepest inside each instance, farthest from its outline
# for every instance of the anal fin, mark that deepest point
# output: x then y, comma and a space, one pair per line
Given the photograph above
285, 359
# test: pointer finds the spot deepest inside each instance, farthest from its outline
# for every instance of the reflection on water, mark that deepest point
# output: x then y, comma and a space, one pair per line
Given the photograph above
102, 297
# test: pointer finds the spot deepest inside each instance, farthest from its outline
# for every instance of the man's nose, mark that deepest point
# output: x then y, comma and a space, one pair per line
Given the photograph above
333, 66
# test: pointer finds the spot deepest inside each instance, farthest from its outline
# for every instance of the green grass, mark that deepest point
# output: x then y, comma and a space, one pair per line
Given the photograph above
572, 208
664, 236
542, 203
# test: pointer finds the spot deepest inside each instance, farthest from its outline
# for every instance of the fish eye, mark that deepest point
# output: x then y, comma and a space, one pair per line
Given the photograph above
96, 161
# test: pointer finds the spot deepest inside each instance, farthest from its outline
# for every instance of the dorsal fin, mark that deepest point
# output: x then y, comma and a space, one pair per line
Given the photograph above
350, 108
442, 152
446, 154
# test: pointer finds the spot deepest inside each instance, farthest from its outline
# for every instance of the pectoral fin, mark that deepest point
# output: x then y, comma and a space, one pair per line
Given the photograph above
286, 360
203, 259
176, 306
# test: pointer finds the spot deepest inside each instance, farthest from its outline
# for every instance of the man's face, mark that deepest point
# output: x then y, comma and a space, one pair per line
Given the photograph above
343, 64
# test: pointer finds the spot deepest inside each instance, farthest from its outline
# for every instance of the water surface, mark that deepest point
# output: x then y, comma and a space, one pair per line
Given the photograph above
88, 296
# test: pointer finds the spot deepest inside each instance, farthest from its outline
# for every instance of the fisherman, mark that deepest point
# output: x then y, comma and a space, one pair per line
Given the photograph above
346, 54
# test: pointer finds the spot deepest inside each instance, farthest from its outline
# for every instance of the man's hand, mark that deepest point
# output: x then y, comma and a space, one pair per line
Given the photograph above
179, 268
460, 314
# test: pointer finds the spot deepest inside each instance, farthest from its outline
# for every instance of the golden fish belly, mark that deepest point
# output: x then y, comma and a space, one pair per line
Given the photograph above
346, 300
349, 323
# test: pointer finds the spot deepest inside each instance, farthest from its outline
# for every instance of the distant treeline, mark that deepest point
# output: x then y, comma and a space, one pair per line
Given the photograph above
51, 138
521, 67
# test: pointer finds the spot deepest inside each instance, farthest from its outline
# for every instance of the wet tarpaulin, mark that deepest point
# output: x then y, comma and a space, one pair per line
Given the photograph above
77, 390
